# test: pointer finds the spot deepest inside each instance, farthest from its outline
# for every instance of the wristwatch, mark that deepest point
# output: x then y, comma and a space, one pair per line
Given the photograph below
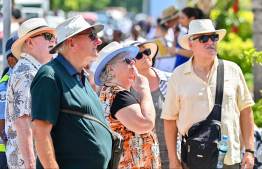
250, 151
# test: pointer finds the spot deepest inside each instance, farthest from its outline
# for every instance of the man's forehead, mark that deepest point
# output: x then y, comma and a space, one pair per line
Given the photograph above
201, 34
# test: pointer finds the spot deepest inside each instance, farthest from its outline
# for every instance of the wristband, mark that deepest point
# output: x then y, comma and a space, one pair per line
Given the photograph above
177, 50
250, 151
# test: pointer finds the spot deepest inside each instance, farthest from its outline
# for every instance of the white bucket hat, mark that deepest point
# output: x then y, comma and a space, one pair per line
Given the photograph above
200, 26
26, 30
71, 27
107, 53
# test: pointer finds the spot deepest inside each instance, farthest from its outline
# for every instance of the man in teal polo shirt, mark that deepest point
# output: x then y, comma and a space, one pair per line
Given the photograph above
65, 140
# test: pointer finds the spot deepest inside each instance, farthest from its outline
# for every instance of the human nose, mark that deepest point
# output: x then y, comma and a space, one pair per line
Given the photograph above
97, 41
210, 41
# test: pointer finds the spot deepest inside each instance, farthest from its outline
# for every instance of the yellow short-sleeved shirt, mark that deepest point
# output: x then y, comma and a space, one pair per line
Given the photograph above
189, 100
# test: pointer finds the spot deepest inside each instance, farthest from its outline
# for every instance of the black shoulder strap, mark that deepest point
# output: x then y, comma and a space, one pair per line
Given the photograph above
87, 116
220, 83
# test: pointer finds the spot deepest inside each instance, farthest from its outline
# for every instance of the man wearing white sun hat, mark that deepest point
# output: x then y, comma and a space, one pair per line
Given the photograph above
65, 140
191, 95
32, 50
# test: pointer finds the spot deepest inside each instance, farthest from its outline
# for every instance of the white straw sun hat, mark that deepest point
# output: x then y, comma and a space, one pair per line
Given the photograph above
71, 27
107, 53
200, 26
26, 30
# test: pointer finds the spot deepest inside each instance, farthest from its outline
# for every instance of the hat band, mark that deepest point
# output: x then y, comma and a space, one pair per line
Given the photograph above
8, 52
171, 15
37, 28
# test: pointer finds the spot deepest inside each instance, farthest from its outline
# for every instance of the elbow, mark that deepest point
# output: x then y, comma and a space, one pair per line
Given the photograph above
145, 127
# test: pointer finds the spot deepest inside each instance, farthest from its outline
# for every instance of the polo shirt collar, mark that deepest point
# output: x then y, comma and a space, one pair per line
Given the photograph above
71, 70
189, 65
32, 60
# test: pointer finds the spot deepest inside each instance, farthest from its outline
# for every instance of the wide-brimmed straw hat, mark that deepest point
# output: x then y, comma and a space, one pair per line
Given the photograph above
107, 53
148, 44
200, 26
26, 30
71, 27
169, 13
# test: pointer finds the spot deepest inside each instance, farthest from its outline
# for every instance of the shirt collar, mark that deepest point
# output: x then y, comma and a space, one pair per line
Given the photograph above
161, 75
189, 65
32, 60
71, 70
9, 71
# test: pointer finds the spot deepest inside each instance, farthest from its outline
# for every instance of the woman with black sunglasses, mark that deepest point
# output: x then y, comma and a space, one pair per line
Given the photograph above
158, 85
132, 119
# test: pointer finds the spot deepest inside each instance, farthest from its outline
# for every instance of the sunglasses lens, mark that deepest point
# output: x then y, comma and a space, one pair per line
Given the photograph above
147, 52
139, 55
203, 39
92, 36
49, 36
128, 60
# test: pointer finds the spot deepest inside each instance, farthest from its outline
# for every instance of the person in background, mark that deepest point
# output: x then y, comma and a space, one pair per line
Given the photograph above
12, 60
186, 16
65, 140
158, 84
132, 119
135, 35
32, 50
117, 36
191, 97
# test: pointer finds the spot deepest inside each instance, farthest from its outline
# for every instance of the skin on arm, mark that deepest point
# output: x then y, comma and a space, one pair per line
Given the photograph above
2, 127
247, 131
25, 140
44, 144
170, 129
183, 52
142, 118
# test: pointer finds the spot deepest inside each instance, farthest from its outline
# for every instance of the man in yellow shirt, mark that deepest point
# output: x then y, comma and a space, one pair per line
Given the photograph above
191, 95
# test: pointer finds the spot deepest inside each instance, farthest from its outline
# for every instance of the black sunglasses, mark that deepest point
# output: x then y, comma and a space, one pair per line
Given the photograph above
127, 60
204, 38
48, 36
92, 35
146, 52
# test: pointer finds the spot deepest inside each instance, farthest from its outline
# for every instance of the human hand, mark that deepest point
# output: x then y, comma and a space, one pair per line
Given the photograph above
248, 160
140, 82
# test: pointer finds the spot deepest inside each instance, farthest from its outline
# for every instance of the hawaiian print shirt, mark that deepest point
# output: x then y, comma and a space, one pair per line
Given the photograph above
140, 150
18, 103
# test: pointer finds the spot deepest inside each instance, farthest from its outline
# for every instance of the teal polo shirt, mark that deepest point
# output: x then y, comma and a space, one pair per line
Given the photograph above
78, 142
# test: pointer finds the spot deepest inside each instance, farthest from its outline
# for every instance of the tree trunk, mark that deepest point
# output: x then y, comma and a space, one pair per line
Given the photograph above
257, 36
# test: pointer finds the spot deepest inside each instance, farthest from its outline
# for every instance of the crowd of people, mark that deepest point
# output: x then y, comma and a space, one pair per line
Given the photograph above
70, 68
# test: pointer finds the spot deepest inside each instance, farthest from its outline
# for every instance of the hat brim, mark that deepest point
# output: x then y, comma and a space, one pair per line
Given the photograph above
17, 45
164, 20
183, 42
97, 28
132, 49
152, 45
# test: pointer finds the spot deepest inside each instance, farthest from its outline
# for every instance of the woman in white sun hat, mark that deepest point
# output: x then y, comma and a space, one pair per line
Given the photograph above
134, 120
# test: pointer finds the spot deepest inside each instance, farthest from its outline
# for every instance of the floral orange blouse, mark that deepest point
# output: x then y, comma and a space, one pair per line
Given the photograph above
140, 150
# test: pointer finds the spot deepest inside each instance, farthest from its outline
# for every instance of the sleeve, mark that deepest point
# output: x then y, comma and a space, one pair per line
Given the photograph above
46, 97
22, 96
171, 105
244, 98
122, 99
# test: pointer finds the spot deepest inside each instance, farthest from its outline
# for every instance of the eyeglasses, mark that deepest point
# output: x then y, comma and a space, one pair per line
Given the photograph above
48, 36
127, 60
92, 35
204, 38
146, 52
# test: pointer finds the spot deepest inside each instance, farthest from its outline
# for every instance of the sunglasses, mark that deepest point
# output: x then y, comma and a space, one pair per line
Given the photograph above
146, 52
48, 36
92, 35
127, 60
204, 38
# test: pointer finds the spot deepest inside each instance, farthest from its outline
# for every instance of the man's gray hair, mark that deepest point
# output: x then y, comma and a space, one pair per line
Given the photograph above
61, 47
105, 75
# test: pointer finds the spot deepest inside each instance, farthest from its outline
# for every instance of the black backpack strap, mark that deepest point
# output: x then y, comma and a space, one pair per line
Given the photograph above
220, 83
87, 116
